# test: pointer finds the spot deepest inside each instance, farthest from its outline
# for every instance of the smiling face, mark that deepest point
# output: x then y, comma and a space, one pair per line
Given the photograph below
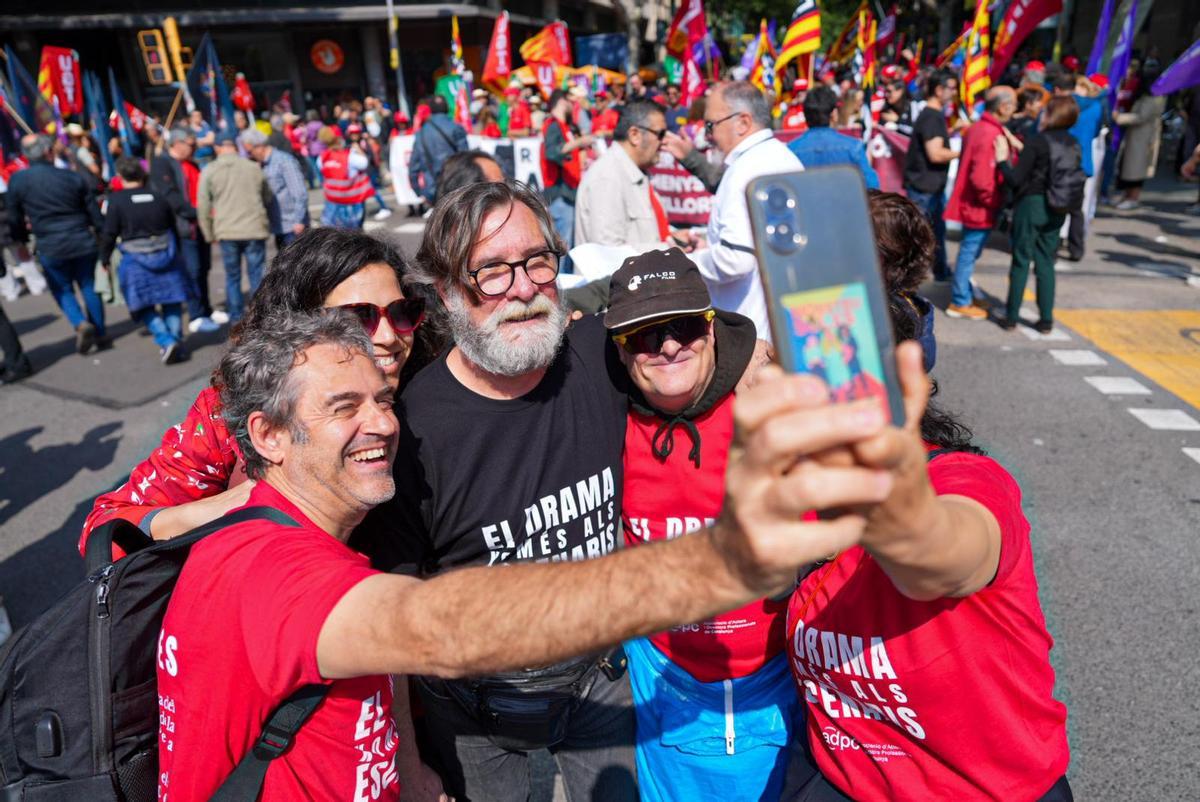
519, 330
339, 450
677, 376
376, 284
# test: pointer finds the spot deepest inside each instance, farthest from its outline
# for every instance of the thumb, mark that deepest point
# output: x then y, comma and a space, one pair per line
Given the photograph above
914, 383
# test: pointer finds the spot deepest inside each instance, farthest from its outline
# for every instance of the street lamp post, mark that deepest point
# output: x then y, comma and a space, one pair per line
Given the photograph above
394, 54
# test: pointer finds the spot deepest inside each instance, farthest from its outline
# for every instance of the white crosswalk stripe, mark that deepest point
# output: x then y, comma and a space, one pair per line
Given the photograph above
1174, 420
1194, 453
1055, 335
1077, 357
1117, 385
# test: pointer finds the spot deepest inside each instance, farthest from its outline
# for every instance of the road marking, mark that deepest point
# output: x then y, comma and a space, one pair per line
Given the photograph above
1194, 453
1076, 357
414, 227
1161, 344
1117, 385
1174, 420
1055, 335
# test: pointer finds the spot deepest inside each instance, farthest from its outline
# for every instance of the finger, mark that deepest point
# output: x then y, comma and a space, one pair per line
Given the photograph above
914, 383
775, 392
789, 435
888, 450
807, 542
814, 487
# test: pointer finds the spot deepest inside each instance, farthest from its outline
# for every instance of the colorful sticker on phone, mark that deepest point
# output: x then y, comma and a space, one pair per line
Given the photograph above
833, 338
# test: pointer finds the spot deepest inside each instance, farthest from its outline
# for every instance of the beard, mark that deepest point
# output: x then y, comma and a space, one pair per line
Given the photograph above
488, 347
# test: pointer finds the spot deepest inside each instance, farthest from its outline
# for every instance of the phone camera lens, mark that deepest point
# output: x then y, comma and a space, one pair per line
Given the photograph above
777, 199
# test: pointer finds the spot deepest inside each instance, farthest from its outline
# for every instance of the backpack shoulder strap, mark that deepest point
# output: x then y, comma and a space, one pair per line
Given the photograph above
246, 782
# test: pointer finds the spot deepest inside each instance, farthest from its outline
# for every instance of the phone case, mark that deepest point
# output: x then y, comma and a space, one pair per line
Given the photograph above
821, 277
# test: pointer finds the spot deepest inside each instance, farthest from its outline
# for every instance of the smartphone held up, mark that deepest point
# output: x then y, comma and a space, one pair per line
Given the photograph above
824, 289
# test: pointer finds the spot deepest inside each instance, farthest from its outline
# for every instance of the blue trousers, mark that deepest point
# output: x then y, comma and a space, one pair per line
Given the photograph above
973, 240
197, 255
232, 250
63, 276
165, 323
563, 215
934, 206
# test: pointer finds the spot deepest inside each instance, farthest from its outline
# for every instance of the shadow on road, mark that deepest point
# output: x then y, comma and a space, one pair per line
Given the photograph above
29, 325
26, 475
37, 576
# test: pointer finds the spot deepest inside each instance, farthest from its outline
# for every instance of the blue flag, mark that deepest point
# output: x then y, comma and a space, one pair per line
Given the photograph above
1183, 73
26, 99
129, 138
1122, 55
9, 136
1097, 56
208, 89
95, 104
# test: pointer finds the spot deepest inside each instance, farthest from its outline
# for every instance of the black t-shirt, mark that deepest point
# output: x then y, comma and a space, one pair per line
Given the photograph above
481, 481
919, 173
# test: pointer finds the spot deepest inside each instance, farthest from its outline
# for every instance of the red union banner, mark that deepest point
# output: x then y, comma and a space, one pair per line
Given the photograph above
58, 77
684, 198
499, 60
1022, 17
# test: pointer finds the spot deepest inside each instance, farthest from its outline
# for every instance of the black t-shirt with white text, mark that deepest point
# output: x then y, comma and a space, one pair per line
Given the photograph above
920, 173
482, 481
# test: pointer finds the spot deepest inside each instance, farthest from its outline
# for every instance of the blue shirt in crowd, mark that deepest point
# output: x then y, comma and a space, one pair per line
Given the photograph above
823, 146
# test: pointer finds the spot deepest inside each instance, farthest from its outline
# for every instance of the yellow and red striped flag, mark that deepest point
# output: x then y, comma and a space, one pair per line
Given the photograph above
843, 47
867, 28
976, 79
955, 46
551, 45
803, 33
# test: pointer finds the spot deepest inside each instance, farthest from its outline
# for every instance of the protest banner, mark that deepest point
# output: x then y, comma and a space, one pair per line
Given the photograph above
684, 198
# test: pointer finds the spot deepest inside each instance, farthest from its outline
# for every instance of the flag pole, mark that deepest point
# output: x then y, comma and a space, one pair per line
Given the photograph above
20, 121
174, 108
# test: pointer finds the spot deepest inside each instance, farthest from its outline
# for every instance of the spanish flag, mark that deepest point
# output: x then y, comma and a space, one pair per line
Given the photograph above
975, 77
803, 33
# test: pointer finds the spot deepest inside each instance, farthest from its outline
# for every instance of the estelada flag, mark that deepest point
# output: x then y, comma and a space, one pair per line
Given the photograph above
803, 33
975, 77
58, 77
687, 28
762, 74
498, 67
550, 45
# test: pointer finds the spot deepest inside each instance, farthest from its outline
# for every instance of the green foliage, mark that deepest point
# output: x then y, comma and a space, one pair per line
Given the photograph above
834, 15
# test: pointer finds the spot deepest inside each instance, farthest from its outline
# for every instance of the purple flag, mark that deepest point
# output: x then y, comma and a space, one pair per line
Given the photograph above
1122, 55
1183, 73
1097, 56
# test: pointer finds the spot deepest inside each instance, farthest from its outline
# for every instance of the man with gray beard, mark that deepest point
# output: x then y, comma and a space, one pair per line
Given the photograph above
511, 452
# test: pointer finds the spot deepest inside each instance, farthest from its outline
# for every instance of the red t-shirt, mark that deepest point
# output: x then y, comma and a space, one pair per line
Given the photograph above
240, 636
794, 119
191, 177
520, 119
605, 121
666, 498
948, 699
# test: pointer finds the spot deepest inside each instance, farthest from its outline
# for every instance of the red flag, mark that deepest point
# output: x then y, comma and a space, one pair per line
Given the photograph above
243, 98
1020, 20
498, 67
58, 77
693, 82
687, 28
462, 106
137, 117
550, 44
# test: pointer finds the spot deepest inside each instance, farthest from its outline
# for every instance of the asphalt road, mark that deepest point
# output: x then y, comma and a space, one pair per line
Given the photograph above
1115, 503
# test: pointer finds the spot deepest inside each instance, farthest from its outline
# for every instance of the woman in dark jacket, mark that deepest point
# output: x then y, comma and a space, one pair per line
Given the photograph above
153, 275
1035, 225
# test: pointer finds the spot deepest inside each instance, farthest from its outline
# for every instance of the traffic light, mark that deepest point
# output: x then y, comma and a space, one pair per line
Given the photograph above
174, 47
154, 55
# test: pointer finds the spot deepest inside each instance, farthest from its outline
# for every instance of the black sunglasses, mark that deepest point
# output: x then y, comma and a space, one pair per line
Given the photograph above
404, 315
709, 125
658, 134
649, 339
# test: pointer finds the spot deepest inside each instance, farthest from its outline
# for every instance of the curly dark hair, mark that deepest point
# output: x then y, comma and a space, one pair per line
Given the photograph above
307, 270
903, 238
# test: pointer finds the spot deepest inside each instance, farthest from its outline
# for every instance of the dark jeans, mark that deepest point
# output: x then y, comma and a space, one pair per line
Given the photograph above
14, 355
1075, 235
596, 759
63, 276
934, 206
232, 250
197, 254
1034, 240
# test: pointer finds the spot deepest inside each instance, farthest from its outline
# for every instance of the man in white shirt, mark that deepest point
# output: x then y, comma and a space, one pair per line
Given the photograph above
737, 120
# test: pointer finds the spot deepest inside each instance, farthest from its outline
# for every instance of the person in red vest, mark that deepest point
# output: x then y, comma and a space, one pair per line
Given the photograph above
793, 118
346, 182
562, 164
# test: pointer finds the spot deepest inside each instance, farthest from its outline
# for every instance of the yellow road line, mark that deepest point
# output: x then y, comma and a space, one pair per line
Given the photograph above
1162, 344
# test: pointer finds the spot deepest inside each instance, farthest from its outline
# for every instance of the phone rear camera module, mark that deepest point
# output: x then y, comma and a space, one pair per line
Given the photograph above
781, 224
778, 200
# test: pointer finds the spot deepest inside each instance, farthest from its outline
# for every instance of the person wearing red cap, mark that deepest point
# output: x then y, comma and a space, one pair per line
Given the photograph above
793, 118
516, 119
1071, 63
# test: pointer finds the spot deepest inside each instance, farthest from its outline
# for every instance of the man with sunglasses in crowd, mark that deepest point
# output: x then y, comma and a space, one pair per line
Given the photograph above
737, 119
616, 204
511, 452
713, 700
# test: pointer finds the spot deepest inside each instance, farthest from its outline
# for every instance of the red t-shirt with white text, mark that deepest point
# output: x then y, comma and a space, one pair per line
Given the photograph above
947, 699
666, 498
239, 637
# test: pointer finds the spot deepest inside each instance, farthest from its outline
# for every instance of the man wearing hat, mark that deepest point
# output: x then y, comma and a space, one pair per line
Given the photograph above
714, 706
231, 208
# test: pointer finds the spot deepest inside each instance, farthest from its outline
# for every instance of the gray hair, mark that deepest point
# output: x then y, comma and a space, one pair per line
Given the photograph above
255, 375
744, 97
178, 134
37, 147
636, 115
252, 137
453, 230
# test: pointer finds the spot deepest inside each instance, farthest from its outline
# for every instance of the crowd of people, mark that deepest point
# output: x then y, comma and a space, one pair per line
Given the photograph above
716, 583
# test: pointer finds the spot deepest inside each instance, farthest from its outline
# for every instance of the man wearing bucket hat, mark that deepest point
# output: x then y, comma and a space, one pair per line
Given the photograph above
713, 704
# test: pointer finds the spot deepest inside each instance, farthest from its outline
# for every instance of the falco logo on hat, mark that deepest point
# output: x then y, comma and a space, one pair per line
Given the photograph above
655, 284
636, 281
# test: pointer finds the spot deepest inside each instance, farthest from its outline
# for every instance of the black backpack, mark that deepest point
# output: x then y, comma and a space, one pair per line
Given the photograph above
1065, 177
79, 686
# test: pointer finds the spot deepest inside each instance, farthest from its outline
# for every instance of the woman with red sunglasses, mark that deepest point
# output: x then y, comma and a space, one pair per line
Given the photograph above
194, 476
